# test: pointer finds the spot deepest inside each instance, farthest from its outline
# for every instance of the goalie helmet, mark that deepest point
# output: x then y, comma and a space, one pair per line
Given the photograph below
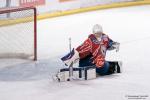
97, 28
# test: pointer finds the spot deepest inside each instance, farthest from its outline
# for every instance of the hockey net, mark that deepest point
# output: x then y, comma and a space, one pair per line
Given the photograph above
18, 33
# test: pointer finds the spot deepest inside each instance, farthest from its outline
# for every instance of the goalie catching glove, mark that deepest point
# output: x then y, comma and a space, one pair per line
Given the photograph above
115, 45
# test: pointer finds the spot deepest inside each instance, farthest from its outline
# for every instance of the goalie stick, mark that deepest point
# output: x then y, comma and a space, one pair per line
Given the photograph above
71, 65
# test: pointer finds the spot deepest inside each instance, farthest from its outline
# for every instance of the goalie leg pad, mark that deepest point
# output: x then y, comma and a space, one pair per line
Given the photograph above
84, 73
115, 67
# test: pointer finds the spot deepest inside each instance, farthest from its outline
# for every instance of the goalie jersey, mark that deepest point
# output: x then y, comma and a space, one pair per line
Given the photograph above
96, 48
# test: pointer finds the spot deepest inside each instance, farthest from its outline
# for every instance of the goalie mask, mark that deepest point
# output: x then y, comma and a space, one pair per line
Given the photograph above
97, 29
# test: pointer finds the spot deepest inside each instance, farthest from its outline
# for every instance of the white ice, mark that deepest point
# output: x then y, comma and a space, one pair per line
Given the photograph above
28, 80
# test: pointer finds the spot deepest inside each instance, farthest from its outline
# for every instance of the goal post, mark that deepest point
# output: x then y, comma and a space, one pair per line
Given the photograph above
18, 33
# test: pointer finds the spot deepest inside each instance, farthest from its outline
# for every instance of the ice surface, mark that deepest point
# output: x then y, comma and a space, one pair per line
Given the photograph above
28, 80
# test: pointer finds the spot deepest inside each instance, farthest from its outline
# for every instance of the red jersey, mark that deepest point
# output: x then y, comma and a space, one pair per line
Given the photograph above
92, 46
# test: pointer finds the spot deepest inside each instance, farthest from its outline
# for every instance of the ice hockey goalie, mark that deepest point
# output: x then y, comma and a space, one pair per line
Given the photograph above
92, 52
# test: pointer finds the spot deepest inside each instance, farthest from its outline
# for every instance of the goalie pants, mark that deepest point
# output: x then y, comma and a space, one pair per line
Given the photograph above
88, 62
